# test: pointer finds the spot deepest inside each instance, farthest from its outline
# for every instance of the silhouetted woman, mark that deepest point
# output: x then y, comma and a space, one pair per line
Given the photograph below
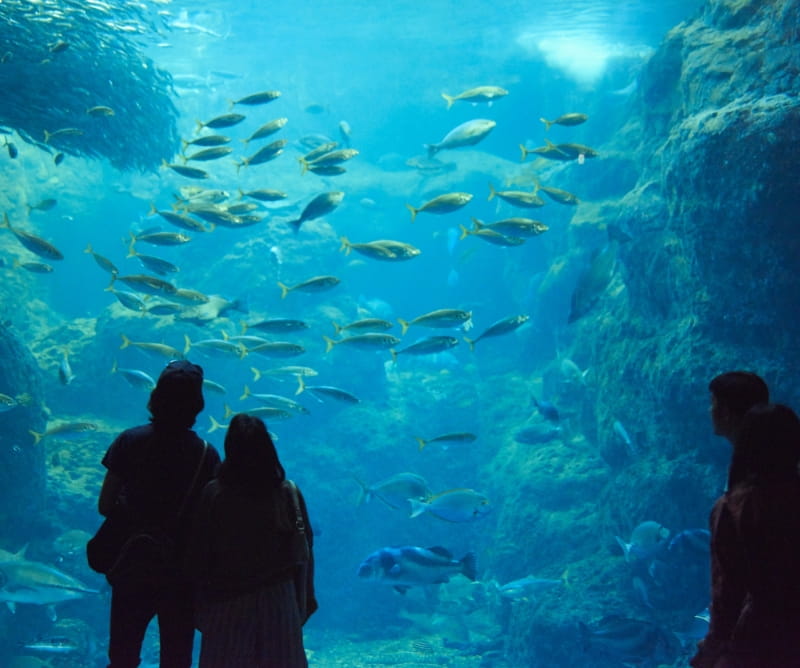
154, 470
244, 561
755, 549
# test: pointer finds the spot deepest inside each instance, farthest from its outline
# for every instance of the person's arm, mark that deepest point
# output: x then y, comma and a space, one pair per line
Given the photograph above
728, 586
109, 493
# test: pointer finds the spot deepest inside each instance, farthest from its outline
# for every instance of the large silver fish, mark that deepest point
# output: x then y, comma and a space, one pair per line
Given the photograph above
466, 134
31, 582
408, 566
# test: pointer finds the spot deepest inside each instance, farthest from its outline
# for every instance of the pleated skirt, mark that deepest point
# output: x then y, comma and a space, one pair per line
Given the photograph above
259, 629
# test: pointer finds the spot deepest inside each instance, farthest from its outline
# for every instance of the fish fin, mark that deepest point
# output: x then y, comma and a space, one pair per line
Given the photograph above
228, 411
329, 343
404, 324
464, 232
477, 225
547, 123
256, 373
413, 211
422, 442
284, 290
450, 99
301, 384
214, 424
366, 494
431, 149
524, 152
36, 436
346, 246
492, 191
471, 342
469, 566
245, 393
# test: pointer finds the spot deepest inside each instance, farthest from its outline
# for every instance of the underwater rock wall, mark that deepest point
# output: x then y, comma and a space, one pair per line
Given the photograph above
22, 470
705, 281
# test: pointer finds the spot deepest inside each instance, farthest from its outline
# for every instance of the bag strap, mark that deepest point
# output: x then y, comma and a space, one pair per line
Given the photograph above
299, 523
193, 483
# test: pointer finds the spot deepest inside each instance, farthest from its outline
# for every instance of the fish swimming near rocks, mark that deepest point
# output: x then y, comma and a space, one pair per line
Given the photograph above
629, 640
409, 566
455, 505
397, 491
35, 583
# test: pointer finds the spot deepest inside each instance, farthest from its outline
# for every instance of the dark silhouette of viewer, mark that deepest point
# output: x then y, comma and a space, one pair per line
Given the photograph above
150, 476
252, 598
755, 533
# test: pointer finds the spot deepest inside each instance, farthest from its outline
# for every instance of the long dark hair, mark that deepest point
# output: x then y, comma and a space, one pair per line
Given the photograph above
768, 445
251, 460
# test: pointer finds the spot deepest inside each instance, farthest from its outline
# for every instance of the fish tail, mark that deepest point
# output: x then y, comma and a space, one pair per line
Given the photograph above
153, 210
537, 184
88, 248
626, 549
6, 222
547, 123
187, 344
404, 324
365, 495
337, 328
303, 165
228, 411
125, 342
346, 245
296, 223
200, 126
246, 393
329, 343
450, 99
214, 424
524, 152
413, 211
301, 384
464, 232
417, 507
492, 192
469, 566
394, 355
114, 366
47, 136
284, 290
431, 149
477, 224
231, 104
422, 442
36, 436
256, 374
471, 342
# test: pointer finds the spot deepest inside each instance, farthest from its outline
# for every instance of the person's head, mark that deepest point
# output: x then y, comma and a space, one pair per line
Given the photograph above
733, 394
251, 459
768, 444
177, 397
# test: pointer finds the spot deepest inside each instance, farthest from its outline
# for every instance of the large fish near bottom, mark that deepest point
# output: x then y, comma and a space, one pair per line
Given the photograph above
31, 582
408, 566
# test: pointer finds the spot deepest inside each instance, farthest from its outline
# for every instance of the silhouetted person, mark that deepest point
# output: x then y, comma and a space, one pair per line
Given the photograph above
150, 471
755, 537
243, 556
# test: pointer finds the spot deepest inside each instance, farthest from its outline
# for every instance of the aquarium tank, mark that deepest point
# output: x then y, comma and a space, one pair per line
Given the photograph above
474, 262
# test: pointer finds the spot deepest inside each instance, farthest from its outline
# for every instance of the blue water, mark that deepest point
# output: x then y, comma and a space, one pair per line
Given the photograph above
381, 67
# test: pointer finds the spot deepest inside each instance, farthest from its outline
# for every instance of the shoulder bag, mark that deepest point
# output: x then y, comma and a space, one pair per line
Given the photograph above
129, 555
303, 560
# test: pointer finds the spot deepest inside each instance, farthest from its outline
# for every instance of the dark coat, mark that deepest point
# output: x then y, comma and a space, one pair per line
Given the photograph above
755, 576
